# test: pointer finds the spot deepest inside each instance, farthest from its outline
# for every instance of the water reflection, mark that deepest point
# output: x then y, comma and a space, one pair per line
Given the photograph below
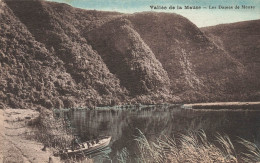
122, 124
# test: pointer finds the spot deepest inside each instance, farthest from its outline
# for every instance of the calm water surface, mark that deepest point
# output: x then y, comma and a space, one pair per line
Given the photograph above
154, 121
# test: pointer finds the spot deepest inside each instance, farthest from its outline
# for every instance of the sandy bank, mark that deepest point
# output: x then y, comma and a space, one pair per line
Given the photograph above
15, 147
225, 105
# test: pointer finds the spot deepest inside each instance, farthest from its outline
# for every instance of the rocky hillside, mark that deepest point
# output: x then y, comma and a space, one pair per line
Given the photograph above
242, 41
54, 55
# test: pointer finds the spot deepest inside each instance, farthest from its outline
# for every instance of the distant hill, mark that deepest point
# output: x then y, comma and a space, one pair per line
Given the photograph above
54, 55
242, 41
198, 70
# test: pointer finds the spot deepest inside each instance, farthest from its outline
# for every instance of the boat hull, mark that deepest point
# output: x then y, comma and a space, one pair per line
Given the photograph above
89, 150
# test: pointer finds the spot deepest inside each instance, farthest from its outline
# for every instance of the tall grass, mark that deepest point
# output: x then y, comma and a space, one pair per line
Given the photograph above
122, 156
78, 160
251, 153
192, 147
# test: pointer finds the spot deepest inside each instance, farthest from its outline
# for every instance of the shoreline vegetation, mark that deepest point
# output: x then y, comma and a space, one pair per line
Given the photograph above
209, 106
50, 131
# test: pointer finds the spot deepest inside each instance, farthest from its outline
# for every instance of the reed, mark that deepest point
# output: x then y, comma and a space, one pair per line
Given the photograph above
78, 160
251, 151
191, 147
122, 156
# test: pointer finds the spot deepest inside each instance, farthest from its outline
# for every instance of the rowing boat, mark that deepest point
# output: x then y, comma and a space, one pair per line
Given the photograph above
87, 147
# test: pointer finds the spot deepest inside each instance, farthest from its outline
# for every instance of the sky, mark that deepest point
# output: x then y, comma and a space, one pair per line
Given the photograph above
201, 17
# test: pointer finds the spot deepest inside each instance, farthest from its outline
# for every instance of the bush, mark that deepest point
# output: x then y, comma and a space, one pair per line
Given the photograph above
68, 103
50, 131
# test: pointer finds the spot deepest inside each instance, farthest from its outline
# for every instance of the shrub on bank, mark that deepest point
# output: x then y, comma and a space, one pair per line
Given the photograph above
50, 131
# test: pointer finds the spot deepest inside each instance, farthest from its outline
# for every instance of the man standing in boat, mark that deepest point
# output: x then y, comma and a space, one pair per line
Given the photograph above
75, 143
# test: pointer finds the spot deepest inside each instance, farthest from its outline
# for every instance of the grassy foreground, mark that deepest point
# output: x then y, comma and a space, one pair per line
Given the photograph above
192, 147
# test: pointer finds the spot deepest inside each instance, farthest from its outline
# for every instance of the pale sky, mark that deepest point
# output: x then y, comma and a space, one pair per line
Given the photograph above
201, 17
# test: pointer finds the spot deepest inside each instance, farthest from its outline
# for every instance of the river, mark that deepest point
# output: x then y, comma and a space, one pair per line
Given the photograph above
122, 124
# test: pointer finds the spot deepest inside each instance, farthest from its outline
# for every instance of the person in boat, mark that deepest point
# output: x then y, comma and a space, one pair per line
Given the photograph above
88, 144
75, 143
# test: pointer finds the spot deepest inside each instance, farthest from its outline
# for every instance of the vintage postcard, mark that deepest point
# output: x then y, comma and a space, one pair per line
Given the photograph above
130, 81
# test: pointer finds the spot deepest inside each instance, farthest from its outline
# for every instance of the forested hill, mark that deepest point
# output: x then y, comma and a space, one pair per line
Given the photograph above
242, 41
53, 55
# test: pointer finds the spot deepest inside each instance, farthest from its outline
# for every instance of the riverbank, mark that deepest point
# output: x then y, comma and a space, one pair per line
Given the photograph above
15, 146
224, 105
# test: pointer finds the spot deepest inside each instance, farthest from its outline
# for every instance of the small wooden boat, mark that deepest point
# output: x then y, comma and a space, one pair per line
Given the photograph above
87, 147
